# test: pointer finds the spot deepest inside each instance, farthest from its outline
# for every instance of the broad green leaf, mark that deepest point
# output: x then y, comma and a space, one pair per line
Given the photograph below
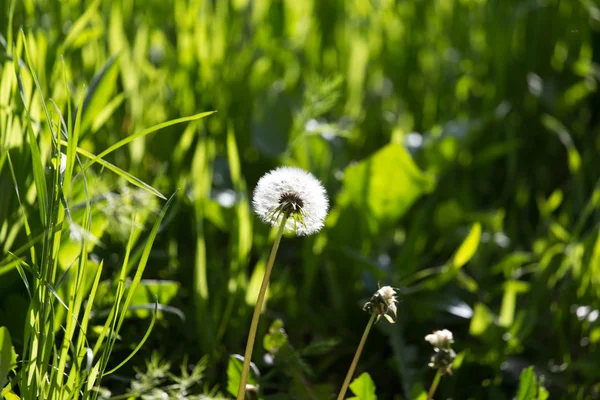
8, 357
385, 184
363, 387
234, 373
467, 249
527, 385
150, 290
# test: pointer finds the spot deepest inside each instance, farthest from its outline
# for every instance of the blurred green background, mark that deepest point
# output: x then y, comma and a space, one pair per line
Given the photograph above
428, 121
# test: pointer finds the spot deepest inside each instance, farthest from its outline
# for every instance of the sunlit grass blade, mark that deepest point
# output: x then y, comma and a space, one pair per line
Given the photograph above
72, 149
241, 234
202, 163
78, 26
108, 110
119, 311
125, 175
145, 132
140, 344
24, 279
143, 261
39, 89
24, 214
18, 252
99, 91
36, 158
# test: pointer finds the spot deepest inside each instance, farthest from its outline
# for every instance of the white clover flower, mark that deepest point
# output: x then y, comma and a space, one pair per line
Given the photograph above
440, 339
293, 192
381, 302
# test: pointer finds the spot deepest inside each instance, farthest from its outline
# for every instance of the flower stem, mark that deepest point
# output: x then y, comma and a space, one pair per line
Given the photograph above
356, 357
434, 385
257, 309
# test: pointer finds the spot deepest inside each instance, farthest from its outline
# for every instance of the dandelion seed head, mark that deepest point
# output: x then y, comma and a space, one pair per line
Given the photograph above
295, 192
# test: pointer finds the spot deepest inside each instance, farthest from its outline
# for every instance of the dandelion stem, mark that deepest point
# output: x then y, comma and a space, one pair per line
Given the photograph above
434, 385
356, 357
257, 309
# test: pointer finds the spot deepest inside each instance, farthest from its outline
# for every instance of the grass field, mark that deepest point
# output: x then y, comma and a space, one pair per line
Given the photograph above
458, 142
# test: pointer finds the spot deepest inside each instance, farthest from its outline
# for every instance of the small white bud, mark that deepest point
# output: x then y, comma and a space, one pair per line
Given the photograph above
440, 339
381, 302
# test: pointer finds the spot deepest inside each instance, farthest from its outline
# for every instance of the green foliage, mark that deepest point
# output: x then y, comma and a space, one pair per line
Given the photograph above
363, 388
8, 357
234, 374
529, 389
59, 358
384, 185
467, 249
457, 140
158, 382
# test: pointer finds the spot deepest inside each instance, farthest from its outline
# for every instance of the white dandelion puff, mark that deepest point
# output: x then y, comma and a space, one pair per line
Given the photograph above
295, 193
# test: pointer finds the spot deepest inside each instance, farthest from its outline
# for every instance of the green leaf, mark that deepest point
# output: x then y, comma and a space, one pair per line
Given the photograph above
385, 184
11, 396
543, 394
150, 290
481, 320
527, 385
509, 301
8, 357
276, 338
234, 373
363, 387
467, 249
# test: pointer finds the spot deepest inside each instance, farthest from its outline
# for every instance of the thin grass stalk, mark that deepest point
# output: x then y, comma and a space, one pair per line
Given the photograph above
257, 309
434, 385
356, 357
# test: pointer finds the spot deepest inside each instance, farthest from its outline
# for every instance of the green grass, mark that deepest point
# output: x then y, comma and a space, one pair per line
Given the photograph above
457, 140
